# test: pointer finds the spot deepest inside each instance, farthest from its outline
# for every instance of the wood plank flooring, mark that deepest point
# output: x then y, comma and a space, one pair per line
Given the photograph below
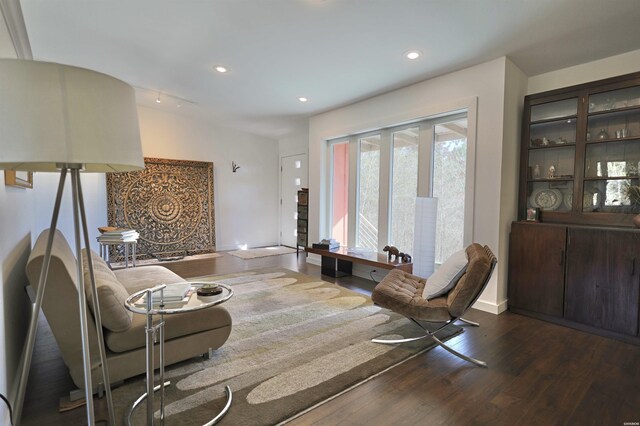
539, 373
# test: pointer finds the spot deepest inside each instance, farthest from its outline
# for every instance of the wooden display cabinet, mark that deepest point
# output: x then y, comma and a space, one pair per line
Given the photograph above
580, 166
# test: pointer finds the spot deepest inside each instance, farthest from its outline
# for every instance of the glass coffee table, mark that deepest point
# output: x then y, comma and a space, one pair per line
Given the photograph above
151, 302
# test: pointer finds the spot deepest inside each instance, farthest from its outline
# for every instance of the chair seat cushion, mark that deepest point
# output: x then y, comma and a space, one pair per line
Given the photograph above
176, 325
446, 276
401, 292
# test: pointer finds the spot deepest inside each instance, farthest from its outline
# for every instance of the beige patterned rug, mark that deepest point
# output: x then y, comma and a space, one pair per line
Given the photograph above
262, 252
296, 342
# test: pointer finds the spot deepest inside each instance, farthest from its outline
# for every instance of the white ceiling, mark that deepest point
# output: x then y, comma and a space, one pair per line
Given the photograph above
334, 52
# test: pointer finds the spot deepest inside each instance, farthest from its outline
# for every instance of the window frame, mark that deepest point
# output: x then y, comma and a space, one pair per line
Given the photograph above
426, 125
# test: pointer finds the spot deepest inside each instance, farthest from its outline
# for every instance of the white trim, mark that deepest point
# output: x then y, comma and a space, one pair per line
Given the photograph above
490, 307
426, 123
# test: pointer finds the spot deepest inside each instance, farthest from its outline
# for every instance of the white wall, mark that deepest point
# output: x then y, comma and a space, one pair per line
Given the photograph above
486, 82
296, 142
246, 202
16, 210
94, 193
596, 70
515, 87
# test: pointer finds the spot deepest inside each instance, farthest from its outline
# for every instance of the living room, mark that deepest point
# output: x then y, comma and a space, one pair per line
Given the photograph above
490, 88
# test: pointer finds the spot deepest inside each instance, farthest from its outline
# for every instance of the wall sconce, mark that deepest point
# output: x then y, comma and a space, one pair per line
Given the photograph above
234, 166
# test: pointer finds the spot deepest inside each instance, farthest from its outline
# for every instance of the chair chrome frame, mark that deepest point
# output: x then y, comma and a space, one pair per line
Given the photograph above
432, 334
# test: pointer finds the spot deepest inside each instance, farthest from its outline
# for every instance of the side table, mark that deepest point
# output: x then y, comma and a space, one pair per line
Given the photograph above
129, 248
152, 305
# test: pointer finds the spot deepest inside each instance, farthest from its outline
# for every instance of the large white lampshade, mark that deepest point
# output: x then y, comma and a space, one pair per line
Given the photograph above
53, 114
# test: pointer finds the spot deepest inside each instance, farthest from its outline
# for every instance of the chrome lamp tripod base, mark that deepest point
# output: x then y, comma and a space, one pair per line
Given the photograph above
79, 219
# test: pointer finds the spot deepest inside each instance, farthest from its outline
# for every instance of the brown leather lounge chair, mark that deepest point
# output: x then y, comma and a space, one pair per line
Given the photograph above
402, 292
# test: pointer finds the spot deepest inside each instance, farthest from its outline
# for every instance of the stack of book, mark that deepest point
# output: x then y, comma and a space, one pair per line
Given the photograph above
118, 235
327, 244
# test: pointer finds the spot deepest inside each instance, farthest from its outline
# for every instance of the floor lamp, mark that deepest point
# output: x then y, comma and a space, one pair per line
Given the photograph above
64, 119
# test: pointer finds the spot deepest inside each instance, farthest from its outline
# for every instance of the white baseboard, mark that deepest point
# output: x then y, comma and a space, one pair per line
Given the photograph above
492, 308
229, 247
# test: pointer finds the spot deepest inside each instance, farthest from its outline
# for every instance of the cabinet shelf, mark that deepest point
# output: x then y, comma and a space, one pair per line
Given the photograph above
614, 110
604, 178
554, 119
556, 145
563, 179
609, 140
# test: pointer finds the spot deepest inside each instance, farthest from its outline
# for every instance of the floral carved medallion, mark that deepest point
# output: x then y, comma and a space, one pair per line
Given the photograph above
170, 203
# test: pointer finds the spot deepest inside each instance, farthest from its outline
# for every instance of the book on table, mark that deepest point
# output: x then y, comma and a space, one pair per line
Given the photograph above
179, 292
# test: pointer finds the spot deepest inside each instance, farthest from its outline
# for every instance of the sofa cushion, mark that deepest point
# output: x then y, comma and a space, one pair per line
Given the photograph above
446, 276
176, 325
111, 294
136, 279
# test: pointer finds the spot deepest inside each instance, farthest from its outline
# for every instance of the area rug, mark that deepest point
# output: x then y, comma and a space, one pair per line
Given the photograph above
296, 342
262, 252
143, 262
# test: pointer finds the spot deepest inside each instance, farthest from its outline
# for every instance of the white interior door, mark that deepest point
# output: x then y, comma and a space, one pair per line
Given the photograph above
293, 176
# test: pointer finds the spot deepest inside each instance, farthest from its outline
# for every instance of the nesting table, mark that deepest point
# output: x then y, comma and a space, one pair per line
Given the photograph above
129, 251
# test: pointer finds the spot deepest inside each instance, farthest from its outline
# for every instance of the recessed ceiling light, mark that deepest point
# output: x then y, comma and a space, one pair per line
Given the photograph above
412, 54
302, 99
221, 69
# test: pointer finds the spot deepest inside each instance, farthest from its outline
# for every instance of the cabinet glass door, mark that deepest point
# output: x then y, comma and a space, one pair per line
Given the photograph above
612, 156
551, 159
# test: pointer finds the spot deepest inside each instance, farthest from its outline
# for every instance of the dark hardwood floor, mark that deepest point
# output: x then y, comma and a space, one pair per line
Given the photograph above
539, 373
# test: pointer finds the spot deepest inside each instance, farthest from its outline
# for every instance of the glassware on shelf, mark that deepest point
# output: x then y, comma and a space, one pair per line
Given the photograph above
603, 134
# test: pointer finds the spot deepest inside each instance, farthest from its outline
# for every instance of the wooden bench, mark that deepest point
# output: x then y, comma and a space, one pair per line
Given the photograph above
339, 262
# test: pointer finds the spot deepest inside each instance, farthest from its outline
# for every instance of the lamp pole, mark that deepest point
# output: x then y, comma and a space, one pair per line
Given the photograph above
79, 220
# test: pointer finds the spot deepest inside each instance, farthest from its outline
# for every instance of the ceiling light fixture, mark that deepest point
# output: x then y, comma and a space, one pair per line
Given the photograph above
412, 54
221, 69
302, 99
163, 97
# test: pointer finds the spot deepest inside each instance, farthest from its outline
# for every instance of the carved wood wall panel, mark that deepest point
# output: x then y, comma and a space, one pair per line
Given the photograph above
170, 203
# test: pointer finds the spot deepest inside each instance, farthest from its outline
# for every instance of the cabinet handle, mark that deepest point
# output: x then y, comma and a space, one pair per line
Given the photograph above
561, 257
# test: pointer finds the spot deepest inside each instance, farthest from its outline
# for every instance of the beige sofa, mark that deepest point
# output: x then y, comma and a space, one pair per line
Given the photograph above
186, 335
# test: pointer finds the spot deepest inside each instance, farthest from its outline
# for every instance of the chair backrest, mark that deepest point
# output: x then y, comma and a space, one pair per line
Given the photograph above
60, 303
471, 285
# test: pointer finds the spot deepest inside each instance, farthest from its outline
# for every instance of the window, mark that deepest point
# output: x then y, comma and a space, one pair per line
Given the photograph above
404, 187
389, 169
449, 177
368, 192
340, 192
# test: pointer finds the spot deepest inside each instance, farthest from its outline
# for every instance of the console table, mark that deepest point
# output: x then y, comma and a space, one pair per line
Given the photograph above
339, 262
